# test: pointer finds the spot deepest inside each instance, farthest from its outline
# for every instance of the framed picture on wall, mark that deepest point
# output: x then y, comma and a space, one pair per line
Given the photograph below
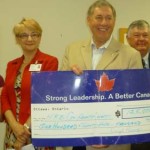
122, 35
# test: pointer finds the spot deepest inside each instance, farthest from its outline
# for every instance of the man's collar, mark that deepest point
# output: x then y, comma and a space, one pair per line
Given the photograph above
104, 45
146, 56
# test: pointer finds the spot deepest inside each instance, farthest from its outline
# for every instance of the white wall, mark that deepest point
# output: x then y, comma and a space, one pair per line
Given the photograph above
63, 21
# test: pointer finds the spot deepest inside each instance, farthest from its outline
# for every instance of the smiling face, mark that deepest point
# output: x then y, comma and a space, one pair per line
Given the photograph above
101, 23
28, 34
29, 40
139, 38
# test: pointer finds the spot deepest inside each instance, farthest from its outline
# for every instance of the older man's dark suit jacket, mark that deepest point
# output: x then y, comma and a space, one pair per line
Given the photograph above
145, 145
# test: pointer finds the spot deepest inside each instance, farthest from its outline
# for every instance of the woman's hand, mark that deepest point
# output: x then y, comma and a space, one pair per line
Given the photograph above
18, 145
21, 132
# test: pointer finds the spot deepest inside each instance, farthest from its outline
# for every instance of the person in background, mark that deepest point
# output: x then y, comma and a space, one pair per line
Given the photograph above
16, 95
1, 86
138, 36
100, 52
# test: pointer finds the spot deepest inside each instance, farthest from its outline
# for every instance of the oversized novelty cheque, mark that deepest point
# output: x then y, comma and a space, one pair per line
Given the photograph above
97, 107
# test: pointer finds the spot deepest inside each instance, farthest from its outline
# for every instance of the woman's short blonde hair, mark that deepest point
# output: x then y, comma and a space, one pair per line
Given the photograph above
30, 24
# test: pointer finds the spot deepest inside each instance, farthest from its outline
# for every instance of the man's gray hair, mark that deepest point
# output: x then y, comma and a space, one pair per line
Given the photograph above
138, 24
100, 3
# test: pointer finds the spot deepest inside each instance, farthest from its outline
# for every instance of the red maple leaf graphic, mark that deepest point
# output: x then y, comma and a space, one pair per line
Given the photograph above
104, 84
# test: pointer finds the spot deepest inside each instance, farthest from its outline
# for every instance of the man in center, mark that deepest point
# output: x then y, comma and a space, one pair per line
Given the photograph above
100, 52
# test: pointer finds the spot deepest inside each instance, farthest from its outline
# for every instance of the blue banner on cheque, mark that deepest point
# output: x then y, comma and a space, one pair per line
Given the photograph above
97, 107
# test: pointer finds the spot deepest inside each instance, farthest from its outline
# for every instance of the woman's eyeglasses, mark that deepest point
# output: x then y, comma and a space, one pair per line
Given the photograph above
25, 36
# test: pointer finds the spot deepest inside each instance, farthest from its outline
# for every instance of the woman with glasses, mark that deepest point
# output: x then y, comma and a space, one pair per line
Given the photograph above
16, 95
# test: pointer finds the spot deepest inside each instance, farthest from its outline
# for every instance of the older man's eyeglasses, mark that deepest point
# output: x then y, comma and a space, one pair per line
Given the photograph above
25, 36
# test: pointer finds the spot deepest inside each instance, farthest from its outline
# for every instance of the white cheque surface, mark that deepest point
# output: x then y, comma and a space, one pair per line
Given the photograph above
75, 120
